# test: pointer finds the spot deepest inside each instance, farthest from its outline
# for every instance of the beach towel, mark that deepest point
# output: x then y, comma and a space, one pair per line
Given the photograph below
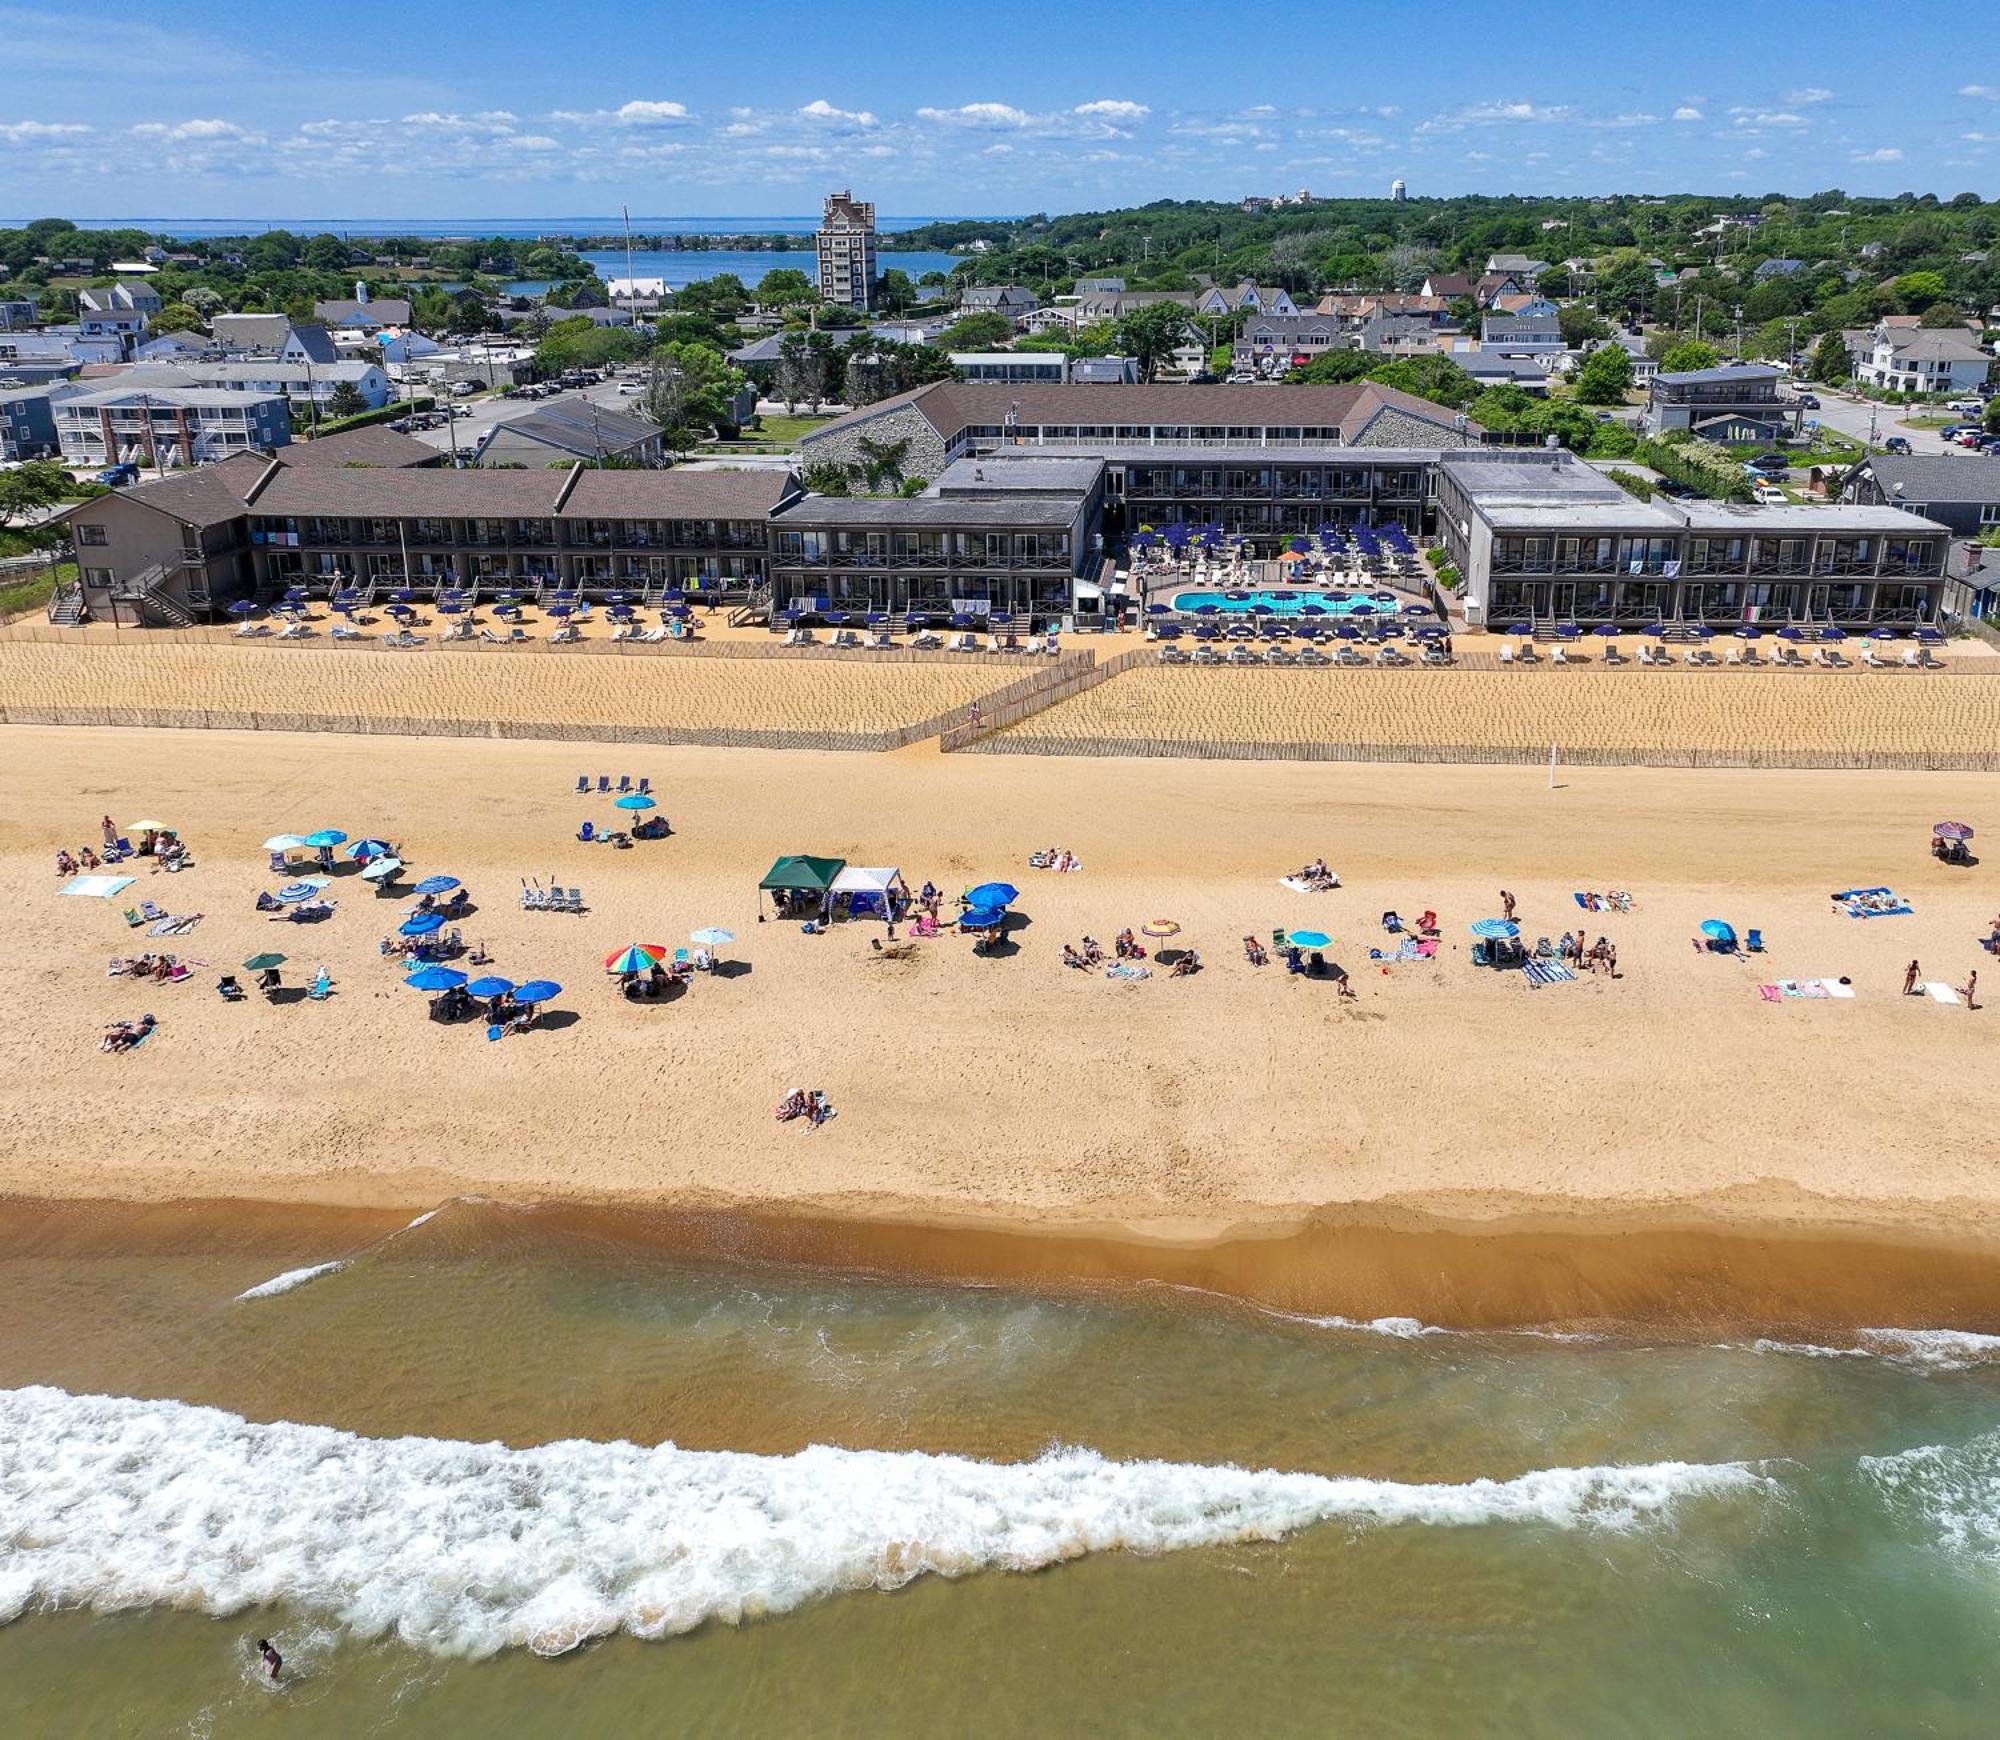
1299, 885
1590, 902
1939, 993
97, 887
1539, 973
1770, 993
1886, 904
1127, 970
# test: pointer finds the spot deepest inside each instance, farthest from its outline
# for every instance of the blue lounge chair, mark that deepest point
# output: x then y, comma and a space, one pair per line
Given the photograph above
582, 783
646, 783
624, 783
1753, 940
604, 782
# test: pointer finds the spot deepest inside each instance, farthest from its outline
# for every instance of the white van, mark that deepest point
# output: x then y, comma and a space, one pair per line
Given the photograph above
1967, 407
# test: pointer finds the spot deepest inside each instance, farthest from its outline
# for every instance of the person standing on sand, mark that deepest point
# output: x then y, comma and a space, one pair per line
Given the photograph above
1971, 991
1506, 906
1910, 979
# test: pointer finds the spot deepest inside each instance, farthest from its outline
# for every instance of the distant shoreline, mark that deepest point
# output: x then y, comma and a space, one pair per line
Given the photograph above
738, 231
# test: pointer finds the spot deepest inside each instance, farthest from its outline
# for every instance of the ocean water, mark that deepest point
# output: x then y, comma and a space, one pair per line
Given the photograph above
499, 1471
190, 229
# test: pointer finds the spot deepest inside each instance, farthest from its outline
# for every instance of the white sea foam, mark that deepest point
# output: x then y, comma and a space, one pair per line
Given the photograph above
467, 1549
289, 1279
1943, 1349
1950, 1490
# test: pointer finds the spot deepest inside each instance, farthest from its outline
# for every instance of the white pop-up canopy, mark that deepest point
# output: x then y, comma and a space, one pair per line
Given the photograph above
861, 879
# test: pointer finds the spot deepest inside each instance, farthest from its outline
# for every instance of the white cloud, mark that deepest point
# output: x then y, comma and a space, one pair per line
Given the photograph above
1887, 154
182, 132
1687, 112
1990, 92
1802, 99
1112, 109
1490, 114
652, 114
819, 109
21, 132
1766, 117
1001, 150
986, 115
1980, 138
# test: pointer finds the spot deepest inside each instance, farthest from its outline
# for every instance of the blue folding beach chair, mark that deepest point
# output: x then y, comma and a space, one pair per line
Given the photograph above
1753, 940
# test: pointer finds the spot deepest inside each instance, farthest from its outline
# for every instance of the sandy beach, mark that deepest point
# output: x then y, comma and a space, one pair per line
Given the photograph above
1010, 1088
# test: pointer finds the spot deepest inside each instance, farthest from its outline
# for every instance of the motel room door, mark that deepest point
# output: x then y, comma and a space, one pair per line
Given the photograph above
1565, 601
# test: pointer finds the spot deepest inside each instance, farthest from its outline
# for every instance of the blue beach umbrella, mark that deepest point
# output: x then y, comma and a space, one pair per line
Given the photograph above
637, 800
993, 894
422, 923
328, 837
435, 979
1309, 939
1716, 931
437, 885
242, 607
490, 986
1496, 929
537, 991
981, 918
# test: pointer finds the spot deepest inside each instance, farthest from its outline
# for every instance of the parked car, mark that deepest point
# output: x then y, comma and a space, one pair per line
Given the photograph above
114, 475
1678, 491
1769, 495
1972, 437
1896, 444
1809, 401
627, 388
1769, 464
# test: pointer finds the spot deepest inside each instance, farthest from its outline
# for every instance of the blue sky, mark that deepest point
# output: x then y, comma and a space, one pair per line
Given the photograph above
527, 108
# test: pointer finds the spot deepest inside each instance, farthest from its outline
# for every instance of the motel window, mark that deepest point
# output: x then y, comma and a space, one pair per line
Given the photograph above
91, 535
1989, 514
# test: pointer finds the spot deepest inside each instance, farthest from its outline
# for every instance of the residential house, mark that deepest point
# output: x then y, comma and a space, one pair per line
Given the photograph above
166, 427
1925, 360
1013, 300
1058, 316
1736, 403
1644, 365
1099, 287
1281, 341
1115, 304
273, 336
16, 314
126, 293
305, 382
911, 331
1493, 285
106, 334
1960, 491
27, 423
1522, 303
1447, 286
1521, 333
29, 359
1246, 298
1398, 335
569, 430
1491, 369
1516, 266
1766, 270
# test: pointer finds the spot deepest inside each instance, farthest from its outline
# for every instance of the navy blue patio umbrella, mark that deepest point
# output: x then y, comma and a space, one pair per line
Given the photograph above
422, 923
242, 607
435, 979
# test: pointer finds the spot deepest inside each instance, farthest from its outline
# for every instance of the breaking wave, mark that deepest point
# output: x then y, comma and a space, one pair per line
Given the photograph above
468, 1549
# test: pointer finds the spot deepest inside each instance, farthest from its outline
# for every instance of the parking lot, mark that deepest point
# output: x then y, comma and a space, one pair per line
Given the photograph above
479, 414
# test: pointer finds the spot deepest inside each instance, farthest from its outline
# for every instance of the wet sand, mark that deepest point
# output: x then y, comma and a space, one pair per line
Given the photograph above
1628, 1114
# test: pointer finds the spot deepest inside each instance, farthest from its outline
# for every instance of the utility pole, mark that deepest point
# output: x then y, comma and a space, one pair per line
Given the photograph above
1697, 315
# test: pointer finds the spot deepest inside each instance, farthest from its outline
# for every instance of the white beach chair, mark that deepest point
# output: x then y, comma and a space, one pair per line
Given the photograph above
1823, 655
1734, 656
1913, 657
347, 631
1559, 656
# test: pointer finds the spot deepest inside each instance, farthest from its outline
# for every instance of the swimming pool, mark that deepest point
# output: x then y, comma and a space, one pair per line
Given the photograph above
1282, 602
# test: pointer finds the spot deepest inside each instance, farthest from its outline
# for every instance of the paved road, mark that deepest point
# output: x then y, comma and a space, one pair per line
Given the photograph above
1849, 417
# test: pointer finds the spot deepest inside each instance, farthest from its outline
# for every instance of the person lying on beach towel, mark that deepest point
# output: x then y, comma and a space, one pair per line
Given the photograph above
123, 1035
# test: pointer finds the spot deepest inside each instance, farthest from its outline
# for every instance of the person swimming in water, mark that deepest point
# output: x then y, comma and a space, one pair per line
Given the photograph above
271, 1659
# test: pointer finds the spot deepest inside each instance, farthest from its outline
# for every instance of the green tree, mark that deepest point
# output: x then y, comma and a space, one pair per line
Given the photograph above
345, 400
325, 253
204, 301
40, 483
786, 287
1151, 333
983, 331
175, 317
1436, 378
1605, 377
1992, 418
1916, 291
825, 477
690, 392
1937, 316
1580, 327
1687, 355
895, 292
1831, 364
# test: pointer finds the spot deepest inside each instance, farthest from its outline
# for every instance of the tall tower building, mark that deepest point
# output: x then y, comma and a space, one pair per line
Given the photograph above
1398, 192
845, 242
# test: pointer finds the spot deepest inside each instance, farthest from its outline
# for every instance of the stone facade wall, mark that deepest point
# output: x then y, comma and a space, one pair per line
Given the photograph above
1392, 428
925, 457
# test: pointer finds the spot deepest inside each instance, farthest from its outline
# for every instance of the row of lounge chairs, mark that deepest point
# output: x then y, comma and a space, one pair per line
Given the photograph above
626, 784
554, 898
1206, 654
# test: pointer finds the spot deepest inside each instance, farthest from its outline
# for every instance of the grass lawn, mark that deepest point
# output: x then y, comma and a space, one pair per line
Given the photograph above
1927, 421
31, 591
774, 429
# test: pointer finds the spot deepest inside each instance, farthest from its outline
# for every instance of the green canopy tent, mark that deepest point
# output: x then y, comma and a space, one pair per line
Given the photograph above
800, 874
